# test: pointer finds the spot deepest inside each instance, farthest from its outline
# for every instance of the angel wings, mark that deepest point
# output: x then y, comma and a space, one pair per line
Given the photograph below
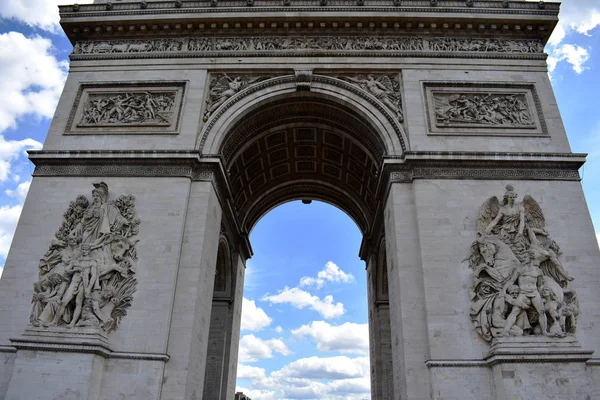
386, 88
223, 87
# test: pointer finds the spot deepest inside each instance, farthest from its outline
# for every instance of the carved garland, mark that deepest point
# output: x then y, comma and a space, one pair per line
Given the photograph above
519, 284
87, 276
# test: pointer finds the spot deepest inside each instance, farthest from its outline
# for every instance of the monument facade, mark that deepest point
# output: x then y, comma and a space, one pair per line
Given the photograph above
432, 123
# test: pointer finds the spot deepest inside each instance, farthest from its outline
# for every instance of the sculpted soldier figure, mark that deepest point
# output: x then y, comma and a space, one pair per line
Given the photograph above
529, 279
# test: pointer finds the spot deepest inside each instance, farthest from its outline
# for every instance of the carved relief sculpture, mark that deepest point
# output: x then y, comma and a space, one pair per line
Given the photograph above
342, 44
87, 276
480, 109
222, 87
128, 109
519, 285
386, 88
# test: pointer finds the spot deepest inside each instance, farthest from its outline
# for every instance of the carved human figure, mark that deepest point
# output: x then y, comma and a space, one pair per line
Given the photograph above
541, 254
511, 216
222, 91
529, 278
552, 309
84, 270
503, 304
98, 220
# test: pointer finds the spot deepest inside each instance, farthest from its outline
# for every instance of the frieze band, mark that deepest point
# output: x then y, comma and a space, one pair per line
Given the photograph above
336, 45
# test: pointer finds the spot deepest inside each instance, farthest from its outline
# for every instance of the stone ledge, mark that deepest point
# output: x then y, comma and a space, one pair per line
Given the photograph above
523, 350
76, 340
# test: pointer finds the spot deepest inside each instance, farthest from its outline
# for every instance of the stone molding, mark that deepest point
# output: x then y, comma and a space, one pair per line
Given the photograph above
523, 350
308, 46
96, 349
172, 7
413, 165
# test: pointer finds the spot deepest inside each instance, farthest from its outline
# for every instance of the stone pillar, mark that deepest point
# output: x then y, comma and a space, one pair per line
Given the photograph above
235, 324
217, 343
408, 316
380, 342
190, 321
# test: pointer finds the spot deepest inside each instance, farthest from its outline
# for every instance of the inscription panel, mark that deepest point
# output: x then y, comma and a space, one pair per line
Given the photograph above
134, 108
483, 109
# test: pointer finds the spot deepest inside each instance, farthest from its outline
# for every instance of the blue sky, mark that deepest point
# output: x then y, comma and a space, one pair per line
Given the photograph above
305, 315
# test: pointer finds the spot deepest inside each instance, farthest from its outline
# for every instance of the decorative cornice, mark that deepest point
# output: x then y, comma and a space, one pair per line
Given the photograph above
186, 7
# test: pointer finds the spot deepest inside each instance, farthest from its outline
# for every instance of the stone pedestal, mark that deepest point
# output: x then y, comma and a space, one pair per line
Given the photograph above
540, 368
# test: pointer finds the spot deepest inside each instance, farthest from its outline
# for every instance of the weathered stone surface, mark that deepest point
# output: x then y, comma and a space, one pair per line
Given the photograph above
357, 105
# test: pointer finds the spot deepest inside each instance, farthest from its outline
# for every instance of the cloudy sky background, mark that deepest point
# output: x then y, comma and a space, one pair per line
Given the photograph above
304, 319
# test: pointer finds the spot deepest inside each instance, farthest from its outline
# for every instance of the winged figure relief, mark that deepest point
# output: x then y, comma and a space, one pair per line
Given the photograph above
519, 284
385, 89
223, 87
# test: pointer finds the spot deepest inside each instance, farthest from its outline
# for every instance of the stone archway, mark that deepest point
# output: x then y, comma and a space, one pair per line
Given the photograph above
278, 144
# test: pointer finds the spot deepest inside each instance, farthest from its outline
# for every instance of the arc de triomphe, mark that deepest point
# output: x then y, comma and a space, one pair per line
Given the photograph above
432, 123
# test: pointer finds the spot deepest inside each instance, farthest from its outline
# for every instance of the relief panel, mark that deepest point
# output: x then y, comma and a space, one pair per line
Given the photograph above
483, 109
127, 109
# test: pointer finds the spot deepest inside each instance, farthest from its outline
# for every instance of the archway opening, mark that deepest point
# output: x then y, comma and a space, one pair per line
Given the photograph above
305, 314
319, 149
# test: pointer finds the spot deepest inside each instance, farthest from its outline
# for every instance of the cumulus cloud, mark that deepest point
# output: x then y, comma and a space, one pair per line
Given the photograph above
9, 216
257, 394
278, 329
598, 238
315, 377
36, 13
31, 78
20, 192
330, 273
301, 299
253, 318
346, 338
10, 150
575, 55
250, 372
254, 349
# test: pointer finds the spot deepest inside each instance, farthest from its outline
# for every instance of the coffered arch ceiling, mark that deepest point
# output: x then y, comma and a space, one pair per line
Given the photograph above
303, 147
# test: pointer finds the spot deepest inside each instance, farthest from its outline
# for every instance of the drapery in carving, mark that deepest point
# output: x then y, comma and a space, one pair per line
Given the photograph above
87, 276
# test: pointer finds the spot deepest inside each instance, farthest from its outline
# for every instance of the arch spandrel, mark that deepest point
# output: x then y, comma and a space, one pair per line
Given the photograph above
232, 112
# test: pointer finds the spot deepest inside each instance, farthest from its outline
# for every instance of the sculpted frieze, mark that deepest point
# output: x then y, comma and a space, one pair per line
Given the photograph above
87, 276
135, 107
129, 108
334, 44
386, 88
520, 286
222, 87
481, 109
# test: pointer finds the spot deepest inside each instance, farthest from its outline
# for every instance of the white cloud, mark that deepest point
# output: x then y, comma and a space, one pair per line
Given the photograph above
575, 55
330, 273
9, 216
250, 372
37, 13
278, 329
20, 192
598, 239
253, 318
10, 150
346, 338
31, 78
253, 349
315, 377
301, 299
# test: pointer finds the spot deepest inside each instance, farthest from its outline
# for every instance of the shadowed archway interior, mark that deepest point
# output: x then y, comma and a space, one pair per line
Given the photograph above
303, 148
